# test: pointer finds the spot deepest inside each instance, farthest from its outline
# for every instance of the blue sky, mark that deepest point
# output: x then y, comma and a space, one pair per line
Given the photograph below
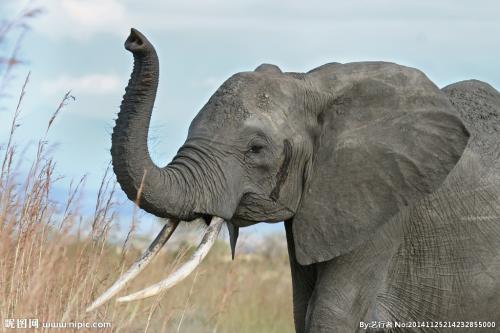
78, 45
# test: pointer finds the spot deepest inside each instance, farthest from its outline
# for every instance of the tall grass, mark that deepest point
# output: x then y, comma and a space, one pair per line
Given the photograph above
54, 260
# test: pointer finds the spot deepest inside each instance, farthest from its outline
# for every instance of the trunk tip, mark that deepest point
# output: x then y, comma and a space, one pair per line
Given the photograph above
137, 42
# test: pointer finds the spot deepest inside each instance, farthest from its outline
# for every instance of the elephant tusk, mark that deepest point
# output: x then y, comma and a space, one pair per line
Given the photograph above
233, 237
139, 264
182, 272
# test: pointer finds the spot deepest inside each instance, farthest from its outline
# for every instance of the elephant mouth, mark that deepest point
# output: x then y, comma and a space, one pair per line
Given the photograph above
150, 253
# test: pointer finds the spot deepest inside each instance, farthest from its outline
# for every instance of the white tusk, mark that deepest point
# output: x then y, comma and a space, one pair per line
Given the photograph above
182, 272
139, 264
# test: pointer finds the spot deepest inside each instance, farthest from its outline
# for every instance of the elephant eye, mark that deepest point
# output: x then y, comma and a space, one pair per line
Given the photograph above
256, 148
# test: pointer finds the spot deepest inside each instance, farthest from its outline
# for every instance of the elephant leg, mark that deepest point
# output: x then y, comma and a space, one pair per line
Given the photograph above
346, 288
303, 282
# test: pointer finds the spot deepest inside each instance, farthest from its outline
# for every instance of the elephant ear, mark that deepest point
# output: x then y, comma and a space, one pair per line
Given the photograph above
388, 137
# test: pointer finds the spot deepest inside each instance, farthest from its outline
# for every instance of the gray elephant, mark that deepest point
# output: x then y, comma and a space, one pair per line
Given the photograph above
388, 187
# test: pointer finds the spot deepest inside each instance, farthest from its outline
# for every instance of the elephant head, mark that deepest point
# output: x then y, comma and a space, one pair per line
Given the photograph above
338, 150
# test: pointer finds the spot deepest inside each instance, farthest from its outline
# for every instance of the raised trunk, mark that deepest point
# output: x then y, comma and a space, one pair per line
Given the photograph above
162, 190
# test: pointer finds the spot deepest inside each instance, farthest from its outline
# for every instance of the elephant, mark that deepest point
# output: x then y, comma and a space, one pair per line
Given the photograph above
388, 188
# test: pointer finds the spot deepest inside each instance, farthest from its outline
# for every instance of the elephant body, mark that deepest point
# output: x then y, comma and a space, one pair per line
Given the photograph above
388, 185
437, 261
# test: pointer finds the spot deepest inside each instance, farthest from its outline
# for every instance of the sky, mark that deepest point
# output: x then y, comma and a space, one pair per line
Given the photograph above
77, 45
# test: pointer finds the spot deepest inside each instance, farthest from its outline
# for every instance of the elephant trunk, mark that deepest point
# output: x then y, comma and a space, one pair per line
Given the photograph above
163, 192
190, 186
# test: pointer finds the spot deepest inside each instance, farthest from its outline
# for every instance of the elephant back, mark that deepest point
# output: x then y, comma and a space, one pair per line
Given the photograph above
478, 105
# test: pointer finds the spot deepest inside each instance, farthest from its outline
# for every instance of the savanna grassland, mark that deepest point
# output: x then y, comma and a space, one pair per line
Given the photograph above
54, 259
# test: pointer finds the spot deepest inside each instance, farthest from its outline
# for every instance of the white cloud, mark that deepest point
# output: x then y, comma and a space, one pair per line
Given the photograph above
81, 19
90, 84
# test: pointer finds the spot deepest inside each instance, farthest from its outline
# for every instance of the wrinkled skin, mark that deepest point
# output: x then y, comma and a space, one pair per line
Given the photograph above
390, 208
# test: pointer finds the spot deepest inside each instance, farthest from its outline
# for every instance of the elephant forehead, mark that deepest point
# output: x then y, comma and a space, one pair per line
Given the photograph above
228, 105
239, 98
225, 108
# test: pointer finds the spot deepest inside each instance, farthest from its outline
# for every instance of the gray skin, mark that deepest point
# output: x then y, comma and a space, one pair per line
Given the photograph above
387, 185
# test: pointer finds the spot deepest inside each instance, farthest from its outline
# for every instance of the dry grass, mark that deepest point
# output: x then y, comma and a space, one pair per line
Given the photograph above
54, 261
